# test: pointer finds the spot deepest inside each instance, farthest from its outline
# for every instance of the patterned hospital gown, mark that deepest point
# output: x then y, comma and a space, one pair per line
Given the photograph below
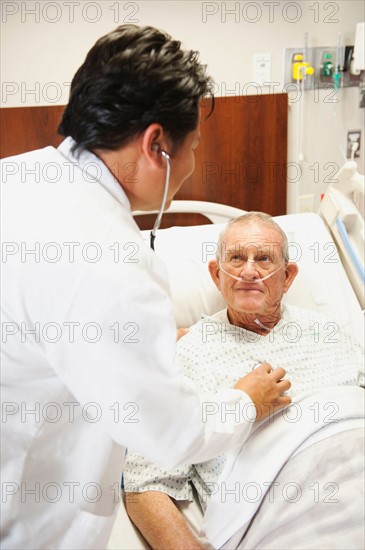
313, 350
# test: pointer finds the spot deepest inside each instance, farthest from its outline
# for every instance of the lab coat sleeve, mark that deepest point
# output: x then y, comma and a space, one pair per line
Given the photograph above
124, 363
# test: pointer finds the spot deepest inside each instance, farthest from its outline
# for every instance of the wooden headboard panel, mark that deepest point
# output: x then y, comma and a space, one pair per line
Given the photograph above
26, 128
241, 160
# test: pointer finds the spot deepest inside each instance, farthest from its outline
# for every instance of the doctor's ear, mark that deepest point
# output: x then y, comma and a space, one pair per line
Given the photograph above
154, 142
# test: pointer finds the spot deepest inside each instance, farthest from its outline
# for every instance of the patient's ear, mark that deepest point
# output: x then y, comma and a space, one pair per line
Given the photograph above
291, 271
213, 267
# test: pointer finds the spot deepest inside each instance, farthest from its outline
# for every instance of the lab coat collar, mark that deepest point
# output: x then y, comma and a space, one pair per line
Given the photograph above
92, 165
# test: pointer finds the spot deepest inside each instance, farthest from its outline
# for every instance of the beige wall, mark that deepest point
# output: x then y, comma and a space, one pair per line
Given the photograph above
39, 58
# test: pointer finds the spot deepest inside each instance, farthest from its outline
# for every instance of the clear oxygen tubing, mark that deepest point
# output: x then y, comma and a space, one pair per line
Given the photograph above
335, 123
261, 325
162, 207
339, 59
250, 280
302, 102
299, 123
337, 84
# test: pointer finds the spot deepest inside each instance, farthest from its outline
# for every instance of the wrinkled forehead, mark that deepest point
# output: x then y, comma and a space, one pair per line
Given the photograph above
252, 235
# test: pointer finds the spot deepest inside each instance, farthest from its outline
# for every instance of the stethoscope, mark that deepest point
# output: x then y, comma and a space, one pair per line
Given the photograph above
166, 156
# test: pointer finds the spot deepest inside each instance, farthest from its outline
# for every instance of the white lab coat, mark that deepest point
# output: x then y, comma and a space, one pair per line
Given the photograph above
88, 354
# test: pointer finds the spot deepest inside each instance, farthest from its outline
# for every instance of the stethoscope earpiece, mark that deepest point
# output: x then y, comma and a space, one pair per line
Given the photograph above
157, 148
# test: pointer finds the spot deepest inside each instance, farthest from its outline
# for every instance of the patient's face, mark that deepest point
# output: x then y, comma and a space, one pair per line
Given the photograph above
251, 251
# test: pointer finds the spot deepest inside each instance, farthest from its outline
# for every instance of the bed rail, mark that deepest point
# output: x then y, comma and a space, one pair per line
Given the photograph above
345, 220
216, 213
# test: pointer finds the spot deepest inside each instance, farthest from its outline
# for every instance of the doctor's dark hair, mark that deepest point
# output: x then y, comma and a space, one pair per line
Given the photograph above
131, 78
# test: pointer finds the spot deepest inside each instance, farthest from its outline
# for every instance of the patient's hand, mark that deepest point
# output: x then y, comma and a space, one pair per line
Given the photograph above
181, 332
265, 387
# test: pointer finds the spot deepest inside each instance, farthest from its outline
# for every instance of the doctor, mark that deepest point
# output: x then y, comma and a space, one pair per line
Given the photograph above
87, 329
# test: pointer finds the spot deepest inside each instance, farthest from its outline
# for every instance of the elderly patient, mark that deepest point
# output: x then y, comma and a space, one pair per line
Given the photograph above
252, 272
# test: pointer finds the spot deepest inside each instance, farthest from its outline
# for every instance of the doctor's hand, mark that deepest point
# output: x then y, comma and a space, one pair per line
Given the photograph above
265, 387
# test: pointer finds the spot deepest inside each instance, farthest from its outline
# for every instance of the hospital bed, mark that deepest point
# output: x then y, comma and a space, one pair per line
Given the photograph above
329, 249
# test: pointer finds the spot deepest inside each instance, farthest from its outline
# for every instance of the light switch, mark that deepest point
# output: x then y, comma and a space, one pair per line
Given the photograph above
261, 68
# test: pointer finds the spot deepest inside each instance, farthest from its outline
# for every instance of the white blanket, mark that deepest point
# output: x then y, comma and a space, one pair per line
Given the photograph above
249, 473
